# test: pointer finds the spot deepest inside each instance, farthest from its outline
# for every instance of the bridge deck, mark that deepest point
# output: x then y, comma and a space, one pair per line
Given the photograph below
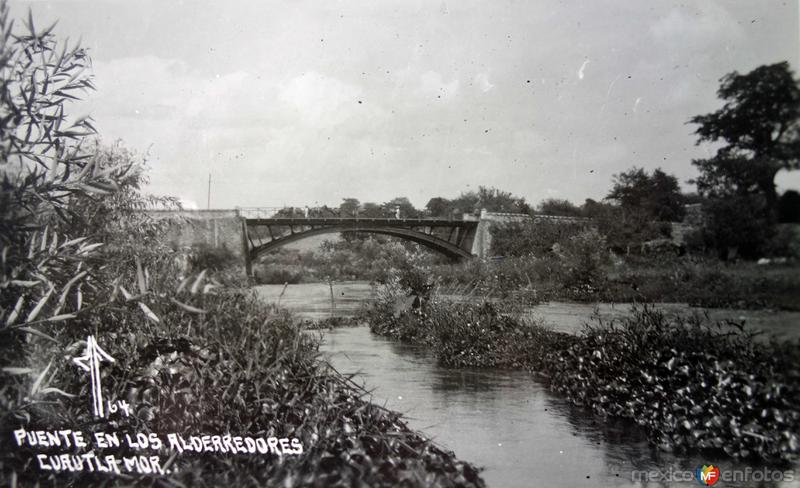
361, 220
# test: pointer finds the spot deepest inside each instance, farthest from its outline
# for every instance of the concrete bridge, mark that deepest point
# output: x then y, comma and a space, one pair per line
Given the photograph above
255, 231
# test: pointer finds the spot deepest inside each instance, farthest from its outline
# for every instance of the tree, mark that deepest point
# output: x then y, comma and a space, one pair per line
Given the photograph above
738, 226
439, 207
555, 206
491, 199
349, 207
657, 196
760, 127
625, 228
789, 207
466, 203
496, 200
371, 210
407, 210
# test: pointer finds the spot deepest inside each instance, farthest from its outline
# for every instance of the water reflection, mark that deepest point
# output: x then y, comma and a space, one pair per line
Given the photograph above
504, 420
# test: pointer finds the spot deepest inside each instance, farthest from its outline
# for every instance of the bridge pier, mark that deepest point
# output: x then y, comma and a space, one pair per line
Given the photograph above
248, 262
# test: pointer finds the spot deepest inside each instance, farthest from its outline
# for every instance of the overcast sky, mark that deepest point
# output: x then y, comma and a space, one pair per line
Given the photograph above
299, 102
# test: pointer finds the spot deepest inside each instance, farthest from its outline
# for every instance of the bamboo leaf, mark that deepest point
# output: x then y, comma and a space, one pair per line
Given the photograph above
148, 313
76, 278
183, 284
89, 248
17, 371
39, 305
198, 282
53, 243
59, 318
140, 276
38, 383
35, 332
32, 246
186, 307
49, 29
44, 239
73, 242
24, 283
17, 308
30, 23
51, 389
63, 298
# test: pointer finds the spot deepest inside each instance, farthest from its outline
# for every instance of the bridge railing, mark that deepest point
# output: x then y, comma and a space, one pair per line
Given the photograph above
325, 212
328, 212
258, 212
290, 212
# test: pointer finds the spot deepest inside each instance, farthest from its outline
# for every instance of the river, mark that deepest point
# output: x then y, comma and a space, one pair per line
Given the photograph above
504, 421
313, 301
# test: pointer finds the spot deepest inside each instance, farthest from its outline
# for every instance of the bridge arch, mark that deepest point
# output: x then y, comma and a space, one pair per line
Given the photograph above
430, 241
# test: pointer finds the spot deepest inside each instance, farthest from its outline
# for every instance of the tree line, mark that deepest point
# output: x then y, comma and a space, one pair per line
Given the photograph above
736, 207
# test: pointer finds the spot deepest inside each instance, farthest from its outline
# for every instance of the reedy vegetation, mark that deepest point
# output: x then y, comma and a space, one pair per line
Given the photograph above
79, 257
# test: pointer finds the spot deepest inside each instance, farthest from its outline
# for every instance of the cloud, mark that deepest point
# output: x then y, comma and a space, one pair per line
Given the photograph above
321, 101
265, 96
482, 81
188, 203
432, 85
697, 23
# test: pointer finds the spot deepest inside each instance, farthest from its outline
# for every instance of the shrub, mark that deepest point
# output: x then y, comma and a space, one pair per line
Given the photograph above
689, 383
51, 258
278, 274
585, 254
531, 238
205, 256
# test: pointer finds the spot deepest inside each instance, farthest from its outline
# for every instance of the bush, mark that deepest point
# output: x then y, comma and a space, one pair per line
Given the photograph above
205, 256
531, 238
689, 383
739, 226
585, 255
278, 274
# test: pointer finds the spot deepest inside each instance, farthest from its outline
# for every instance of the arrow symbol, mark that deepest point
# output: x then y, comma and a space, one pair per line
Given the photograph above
90, 361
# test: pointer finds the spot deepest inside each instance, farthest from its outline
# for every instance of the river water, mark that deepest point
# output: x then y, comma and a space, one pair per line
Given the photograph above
504, 421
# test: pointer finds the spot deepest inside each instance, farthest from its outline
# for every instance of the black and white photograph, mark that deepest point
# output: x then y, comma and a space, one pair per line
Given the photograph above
414, 243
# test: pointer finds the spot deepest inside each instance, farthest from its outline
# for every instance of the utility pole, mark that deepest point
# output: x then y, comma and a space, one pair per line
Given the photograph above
208, 201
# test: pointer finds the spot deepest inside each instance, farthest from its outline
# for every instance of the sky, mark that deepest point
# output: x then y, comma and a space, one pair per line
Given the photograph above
300, 103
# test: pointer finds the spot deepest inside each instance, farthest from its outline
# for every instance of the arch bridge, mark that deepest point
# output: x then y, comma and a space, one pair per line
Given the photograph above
264, 230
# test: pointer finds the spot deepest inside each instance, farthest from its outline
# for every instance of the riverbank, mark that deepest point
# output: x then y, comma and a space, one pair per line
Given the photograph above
699, 282
311, 302
227, 363
691, 386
